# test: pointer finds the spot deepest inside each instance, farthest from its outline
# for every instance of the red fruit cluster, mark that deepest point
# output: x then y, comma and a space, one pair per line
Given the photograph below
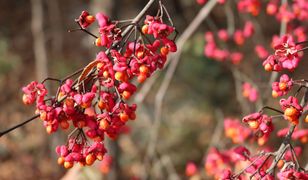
261, 124
282, 87
95, 103
292, 109
286, 55
79, 152
211, 50
236, 131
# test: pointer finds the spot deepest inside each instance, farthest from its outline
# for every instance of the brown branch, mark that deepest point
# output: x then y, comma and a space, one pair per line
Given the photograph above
18, 125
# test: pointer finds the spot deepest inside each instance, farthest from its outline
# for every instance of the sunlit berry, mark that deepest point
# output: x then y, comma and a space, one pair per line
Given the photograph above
143, 69
90, 19
43, 115
98, 41
126, 95
274, 94
164, 51
268, 67
253, 124
141, 78
61, 160
90, 159
291, 111
49, 129
124, 117
280, 163
106, 74
282, 86
99, 156
68, 165
103, 124
120, 76
140, 54
145, 29
306, 119
101, 104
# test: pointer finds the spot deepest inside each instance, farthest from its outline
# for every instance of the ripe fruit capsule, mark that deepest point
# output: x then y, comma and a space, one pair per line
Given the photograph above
124, 117
126, 95
141, 78
103, 124
282, 86
164, 51
98, 41
274, 94
90, 19
61, 160
268, 67
120, 76
90, 158
291, 111
101, 104
253, 124
68, 165
143, 69
49, 129
145, 29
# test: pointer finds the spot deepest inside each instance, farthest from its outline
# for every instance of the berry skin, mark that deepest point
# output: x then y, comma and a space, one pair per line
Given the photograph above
99, 156
101, 105
290, 111
268, 67
43, 116
90, 19
164, 51
61, 160
140, 54
106, 74
120, 76
124, 117
254, 124
306, 119
90, 158
103, 124
98, 42
68, 165
49, 129
126, 95
141, 78
282, 86
280, 163
275, 94
143, 69
145, 29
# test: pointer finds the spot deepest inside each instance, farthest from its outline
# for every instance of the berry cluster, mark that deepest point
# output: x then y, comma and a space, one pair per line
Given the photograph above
236, 131
95, 104
250, 92
282, 87
211, 49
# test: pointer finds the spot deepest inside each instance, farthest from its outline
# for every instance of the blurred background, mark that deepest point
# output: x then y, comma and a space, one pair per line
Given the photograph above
35, 43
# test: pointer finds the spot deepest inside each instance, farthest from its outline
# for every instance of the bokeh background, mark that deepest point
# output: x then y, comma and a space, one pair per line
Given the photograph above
200, 95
